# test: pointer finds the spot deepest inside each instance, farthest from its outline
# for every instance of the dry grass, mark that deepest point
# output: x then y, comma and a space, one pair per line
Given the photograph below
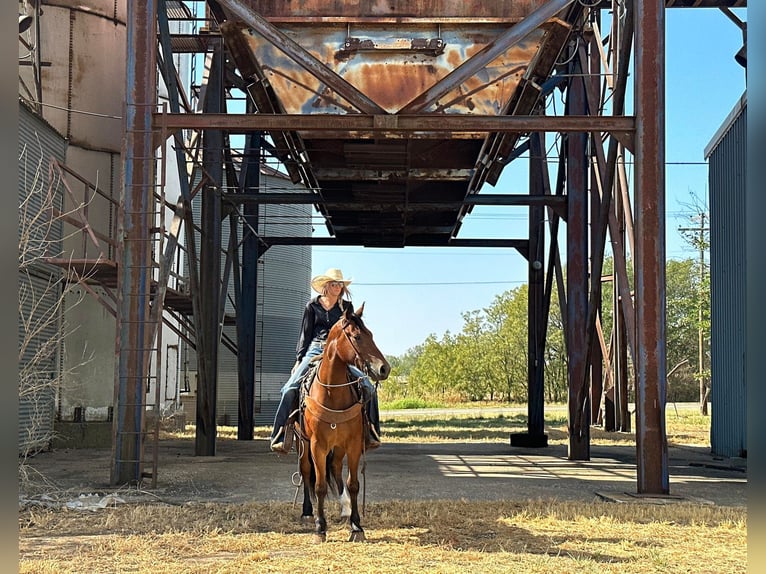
446, 536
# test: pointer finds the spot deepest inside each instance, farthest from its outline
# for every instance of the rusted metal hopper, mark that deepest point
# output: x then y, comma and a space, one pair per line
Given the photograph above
450, 59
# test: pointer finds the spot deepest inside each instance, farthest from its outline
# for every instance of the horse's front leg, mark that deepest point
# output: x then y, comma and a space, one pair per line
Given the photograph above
320, 489
352, 483
337, 475
307, 470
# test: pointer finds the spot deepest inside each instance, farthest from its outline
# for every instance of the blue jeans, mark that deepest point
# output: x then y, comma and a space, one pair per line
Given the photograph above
290, 391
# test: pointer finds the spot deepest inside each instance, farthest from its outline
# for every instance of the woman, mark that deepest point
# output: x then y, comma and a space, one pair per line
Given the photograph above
320, 314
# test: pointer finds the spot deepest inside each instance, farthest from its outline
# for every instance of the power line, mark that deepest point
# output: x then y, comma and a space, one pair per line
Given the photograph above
437, 283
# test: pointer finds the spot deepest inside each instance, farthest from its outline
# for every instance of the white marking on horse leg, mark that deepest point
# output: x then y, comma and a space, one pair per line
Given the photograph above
345, 504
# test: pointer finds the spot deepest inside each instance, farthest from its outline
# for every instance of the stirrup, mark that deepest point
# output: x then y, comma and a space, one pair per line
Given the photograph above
278, 442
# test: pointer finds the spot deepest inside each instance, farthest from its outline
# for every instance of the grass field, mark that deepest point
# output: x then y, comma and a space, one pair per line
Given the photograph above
685, 426
449, 537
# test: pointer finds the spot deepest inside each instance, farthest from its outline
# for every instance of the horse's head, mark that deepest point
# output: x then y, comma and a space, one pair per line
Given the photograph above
355, 345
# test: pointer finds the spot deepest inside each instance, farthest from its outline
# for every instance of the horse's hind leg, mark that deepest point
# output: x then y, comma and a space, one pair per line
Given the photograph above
355, 521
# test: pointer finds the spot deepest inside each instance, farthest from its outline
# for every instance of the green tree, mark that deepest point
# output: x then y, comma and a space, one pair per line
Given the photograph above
697, 235
556, 363
433, 373
504, 332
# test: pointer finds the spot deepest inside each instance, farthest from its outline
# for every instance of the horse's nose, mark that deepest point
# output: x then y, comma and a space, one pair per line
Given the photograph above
385, 370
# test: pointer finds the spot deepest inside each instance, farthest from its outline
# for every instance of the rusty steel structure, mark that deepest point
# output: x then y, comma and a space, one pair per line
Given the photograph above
396, 117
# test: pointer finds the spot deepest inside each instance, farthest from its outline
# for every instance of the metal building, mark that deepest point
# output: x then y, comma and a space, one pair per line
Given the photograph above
40, 290
727, 157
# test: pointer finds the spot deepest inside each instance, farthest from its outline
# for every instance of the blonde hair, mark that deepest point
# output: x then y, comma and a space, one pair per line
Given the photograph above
344, 292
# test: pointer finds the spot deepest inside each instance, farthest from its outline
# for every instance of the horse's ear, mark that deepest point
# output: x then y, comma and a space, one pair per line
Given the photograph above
360, 310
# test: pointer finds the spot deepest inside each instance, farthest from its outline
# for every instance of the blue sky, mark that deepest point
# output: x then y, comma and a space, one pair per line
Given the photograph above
413, 292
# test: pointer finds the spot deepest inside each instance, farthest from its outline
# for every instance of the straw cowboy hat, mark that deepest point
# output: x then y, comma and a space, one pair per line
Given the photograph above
317, 283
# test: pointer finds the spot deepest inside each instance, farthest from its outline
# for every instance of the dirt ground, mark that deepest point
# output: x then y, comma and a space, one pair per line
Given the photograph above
244, 471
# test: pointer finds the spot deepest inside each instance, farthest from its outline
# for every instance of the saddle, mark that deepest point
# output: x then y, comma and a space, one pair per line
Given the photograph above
296, 416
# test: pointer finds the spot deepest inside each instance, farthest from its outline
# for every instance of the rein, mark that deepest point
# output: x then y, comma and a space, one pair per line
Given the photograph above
327, 386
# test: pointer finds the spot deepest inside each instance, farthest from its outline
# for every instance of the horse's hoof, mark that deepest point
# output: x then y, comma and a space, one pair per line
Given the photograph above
307, 519
357, 536
319, 538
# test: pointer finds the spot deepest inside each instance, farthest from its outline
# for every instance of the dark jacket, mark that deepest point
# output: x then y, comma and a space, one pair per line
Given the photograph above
317, 322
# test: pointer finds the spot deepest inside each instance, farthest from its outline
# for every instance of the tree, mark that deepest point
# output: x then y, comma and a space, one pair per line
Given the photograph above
508, 316
698, 236
681, 327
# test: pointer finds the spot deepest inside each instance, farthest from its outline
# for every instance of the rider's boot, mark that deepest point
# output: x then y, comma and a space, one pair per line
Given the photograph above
372, 439
283, 441
278, 442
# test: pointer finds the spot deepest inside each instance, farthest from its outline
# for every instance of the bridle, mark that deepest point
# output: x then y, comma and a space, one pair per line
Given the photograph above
362, 365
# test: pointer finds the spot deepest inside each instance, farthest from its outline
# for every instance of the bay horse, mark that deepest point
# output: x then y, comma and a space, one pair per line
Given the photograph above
333, 422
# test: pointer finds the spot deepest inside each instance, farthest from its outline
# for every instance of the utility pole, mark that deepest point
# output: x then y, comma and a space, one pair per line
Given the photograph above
704, 389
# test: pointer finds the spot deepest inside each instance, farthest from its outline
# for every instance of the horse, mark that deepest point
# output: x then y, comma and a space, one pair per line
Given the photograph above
333, 423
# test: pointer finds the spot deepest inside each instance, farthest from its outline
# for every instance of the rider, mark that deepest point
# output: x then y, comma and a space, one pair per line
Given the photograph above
319, 315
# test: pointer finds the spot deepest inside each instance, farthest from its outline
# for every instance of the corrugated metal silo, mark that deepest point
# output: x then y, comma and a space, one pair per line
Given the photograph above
39, 284
283, 289
82, 85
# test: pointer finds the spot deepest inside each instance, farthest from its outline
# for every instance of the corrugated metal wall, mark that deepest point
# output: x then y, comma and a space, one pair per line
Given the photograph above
39, 288
727, 177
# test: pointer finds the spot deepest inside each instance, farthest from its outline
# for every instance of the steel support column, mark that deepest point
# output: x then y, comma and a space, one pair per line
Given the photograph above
210, 263
135, 220
250, 181
596, 358
535, 436
577, 273
651, 440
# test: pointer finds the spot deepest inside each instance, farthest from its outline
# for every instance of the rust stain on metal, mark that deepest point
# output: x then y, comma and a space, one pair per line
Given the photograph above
395, 75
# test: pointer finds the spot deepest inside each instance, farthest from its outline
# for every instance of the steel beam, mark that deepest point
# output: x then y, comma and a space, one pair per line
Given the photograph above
651, 439
133, 290
556, 202
437, 124
521, 245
